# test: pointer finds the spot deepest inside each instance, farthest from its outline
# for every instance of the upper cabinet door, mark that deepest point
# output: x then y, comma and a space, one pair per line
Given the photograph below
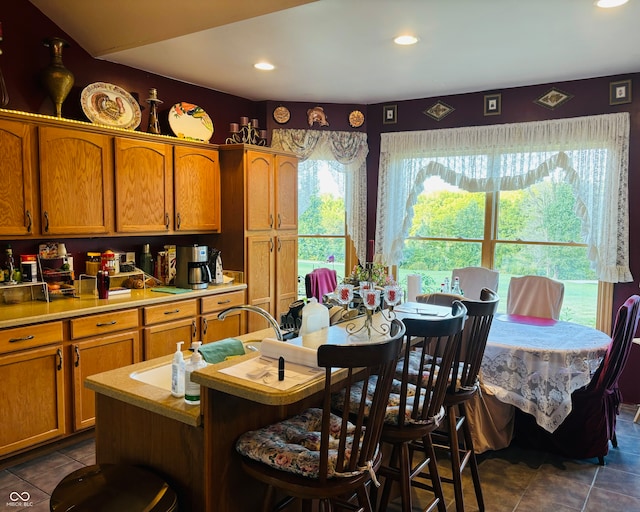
76, 182
286, 192
260, 211
196, 189
17, 193
144, 186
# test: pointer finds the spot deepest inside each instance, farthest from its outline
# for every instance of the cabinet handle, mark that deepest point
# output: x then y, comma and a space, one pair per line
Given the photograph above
166, 220
270, 244
172, 312
29, 221
279, 221
205, 326
224, 301
103, 324
178, 221
271, 220
195, 329
77, 350
24, 338
59, 359
46, 221
279, 245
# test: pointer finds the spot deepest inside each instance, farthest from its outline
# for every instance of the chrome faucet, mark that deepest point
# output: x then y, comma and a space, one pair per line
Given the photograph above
248, 307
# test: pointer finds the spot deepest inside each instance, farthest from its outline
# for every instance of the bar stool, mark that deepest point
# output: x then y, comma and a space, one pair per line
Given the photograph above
113, 488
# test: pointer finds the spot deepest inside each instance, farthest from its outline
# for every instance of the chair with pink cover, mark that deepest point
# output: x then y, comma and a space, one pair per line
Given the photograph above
319, 282
586, 432
535, 296
474, 279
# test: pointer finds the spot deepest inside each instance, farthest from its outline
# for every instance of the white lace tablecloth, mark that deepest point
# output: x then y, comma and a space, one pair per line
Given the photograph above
537, 367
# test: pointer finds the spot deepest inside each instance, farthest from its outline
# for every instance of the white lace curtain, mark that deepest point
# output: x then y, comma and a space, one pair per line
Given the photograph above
592, 151
350, 150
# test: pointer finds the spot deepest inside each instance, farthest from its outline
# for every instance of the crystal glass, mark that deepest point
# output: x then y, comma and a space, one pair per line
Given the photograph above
367, 285
371, 298
392, 295
344, 293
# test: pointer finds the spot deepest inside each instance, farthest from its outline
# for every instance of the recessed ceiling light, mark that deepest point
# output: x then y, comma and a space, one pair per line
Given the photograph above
406, 40
605, 4
264, 66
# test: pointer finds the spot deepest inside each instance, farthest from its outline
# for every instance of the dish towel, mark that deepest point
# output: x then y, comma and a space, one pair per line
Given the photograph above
218, 351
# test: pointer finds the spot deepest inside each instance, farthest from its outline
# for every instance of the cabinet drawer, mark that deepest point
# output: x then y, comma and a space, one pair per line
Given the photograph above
30, 336
104, 323
222, 301
171, 311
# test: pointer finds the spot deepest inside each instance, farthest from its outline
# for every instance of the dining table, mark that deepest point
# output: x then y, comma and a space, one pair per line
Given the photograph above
535, 364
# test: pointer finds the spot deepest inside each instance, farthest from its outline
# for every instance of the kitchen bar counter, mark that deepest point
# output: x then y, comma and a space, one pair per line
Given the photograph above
25, 313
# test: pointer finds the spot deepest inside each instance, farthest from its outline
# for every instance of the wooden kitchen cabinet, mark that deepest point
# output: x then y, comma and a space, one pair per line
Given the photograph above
234, 323
33, 397
76, 181
166, 324
196, 174
18, 193
96, 349
143, 186
260, 225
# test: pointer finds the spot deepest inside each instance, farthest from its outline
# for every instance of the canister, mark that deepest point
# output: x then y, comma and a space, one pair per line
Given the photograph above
93, 263
29, 268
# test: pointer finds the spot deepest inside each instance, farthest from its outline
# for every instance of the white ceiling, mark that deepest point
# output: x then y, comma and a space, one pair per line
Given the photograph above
341, 51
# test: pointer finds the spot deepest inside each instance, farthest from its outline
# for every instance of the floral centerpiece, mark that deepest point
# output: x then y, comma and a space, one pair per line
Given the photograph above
376, 272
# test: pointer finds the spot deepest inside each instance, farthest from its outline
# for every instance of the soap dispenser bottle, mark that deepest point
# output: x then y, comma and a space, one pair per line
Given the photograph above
192, 389
177, 372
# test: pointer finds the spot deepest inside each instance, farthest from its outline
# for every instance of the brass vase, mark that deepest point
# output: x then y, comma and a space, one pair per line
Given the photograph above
57, 79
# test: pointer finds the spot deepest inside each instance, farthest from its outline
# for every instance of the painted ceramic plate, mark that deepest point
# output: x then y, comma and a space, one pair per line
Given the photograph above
281, 114
356, 119
110, 105
189, 121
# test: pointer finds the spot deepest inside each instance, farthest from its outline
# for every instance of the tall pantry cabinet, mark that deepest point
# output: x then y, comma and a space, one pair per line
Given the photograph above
259, 235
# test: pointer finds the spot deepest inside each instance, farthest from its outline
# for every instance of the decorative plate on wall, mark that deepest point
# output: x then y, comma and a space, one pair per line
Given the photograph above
356, 119
109, 105
189, 121
281, 114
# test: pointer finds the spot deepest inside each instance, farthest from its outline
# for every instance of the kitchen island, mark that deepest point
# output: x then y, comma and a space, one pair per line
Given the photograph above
193, 447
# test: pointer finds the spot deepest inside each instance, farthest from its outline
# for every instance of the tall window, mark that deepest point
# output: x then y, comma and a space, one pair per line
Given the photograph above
547, 198
322, 234
332, 192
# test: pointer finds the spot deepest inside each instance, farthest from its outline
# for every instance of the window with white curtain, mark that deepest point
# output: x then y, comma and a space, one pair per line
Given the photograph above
546, 198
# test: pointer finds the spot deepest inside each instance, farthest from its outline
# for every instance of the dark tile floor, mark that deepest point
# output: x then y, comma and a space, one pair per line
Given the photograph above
513, 480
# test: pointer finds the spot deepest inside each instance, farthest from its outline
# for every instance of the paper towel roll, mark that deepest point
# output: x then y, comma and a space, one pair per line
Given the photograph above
273, 348
414, 286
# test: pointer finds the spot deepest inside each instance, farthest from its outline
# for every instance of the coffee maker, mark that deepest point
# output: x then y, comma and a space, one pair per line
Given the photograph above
192, 267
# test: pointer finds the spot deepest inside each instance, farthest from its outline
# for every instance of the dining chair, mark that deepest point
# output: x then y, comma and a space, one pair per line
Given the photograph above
416, 407
463, 388
586, 431
537, 296
474, 279
321, 454
319, 282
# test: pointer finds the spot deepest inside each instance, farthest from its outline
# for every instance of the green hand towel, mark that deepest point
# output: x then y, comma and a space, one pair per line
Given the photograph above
218, 351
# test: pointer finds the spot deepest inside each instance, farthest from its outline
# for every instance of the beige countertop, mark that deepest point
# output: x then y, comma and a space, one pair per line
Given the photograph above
35, 311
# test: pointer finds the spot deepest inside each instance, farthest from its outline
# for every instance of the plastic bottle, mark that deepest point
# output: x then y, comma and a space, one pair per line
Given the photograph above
177, 372
146, 260
447, 285
315, 316
192, 389
456, 286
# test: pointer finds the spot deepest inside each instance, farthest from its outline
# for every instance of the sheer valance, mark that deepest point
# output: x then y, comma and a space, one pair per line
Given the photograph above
592, 151
350, 150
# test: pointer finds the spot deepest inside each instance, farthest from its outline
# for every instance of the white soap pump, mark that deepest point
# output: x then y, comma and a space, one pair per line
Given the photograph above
192, 389
177, 372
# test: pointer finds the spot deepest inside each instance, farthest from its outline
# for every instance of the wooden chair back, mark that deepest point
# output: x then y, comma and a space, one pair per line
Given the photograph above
373, 362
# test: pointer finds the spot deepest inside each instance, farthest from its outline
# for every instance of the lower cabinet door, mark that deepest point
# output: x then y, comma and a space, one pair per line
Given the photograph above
95, 356
213, 329
161, 339
32, 398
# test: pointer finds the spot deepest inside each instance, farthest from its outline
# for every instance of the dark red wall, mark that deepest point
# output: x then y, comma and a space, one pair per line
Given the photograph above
24, 57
